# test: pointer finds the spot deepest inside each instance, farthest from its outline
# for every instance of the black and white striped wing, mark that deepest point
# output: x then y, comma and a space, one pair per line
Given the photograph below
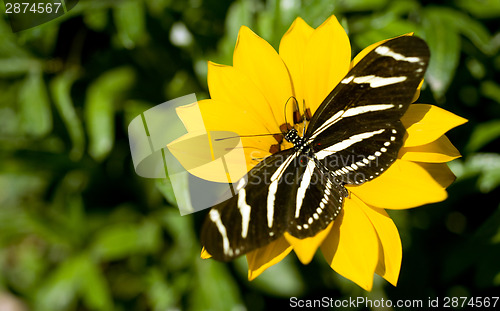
249, 219
286, 192
356, 130
317, 201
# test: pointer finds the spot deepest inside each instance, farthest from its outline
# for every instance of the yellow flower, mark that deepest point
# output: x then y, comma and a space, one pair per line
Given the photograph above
248, 98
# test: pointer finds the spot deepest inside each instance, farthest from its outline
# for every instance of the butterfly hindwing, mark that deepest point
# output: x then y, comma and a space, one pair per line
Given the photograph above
318, 199
364, 153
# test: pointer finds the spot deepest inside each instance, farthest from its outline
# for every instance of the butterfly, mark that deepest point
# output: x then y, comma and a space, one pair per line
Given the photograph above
353, 137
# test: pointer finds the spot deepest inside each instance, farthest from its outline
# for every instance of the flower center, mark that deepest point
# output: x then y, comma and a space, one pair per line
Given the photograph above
286, 128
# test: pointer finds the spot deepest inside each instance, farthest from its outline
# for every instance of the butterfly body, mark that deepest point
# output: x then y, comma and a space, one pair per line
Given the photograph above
299, 144
353, 137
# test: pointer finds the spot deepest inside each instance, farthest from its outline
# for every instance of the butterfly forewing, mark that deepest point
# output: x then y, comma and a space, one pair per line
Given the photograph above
353, 137
381, 85
356, 130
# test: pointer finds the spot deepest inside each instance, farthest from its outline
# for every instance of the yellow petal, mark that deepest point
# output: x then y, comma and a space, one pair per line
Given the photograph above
439, 151
404, 185
391, 253
205, 254
264, 257
231, 86
206, 158
369, 48
440, 172
191, 117
351, 248
426, 123
258, 60
306, 248
417, 93
292, 50
222, 116
327, 60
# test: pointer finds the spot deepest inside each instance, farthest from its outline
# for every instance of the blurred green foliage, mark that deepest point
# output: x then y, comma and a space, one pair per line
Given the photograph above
79, 230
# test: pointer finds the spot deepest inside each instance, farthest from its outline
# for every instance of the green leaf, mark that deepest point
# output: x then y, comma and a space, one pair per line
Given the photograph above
181, 84
239, 13
96, 19
394, 15
16, 66
392, 29
315, 12
36, 114
387, 24
490, 179
9, 95
133, 108
361, 5
60, 88
483, 134
43, 41
442, 27
476, 68
283, 279
165, 187
214, 288
266, 24
74, 277
129, 21
481, 8
478, 34
444, 44
160, 294
94, 288
185, 249
10, 47
156, 7
491, 90
476, 250
122, 240
403, 8
469, 27
27, 266
59, 291
486, 166
100, 109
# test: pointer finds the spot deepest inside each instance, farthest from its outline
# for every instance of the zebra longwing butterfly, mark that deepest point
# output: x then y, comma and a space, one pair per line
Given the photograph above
353, 137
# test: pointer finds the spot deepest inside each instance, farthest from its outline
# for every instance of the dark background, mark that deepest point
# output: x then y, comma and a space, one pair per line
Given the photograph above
79, 230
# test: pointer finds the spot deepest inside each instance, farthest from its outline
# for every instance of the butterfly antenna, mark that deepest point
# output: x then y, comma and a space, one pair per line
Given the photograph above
305, 118
286, 121
239, 136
